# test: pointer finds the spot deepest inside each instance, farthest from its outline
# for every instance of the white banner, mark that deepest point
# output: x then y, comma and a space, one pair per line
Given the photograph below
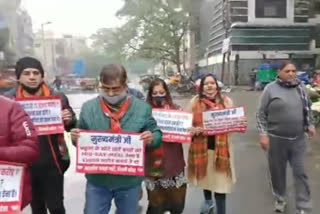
224, 121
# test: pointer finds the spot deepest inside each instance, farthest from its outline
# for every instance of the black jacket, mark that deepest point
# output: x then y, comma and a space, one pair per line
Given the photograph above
53, 148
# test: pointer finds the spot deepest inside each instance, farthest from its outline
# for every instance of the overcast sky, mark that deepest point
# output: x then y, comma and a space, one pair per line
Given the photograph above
77, 17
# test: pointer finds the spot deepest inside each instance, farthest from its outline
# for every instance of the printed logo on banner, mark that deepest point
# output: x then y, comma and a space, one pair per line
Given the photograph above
11, 177
110, 153
174, 125
225, 121
45, 113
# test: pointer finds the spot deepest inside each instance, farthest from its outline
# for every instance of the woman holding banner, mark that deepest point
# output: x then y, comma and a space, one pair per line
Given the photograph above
210, 161
166, 182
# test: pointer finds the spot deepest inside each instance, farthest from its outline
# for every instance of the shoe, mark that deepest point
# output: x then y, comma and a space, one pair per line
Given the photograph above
207, 207
280, 206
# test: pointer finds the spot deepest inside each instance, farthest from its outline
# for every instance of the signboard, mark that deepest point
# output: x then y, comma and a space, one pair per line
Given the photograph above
225, 45
174, 125
110, 153
11, 184
45, 113
224, 121
79, 68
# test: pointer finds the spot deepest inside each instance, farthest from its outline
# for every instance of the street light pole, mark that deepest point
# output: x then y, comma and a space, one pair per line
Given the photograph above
43, 42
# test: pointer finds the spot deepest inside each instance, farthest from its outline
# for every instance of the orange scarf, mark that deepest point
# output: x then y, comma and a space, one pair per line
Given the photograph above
198, 155
115, 124
45, 90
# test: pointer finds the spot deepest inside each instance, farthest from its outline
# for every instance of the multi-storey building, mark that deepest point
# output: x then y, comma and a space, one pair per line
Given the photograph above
246, 33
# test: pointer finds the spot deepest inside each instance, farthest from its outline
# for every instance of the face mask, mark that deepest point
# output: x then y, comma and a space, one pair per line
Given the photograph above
114, 100
159, 100
29, 90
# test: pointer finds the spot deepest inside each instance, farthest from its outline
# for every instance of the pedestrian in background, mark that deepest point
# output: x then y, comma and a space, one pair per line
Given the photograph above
210, 160
284, 117
166, 185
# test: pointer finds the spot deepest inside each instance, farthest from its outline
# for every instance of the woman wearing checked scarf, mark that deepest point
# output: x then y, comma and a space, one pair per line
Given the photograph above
210, 160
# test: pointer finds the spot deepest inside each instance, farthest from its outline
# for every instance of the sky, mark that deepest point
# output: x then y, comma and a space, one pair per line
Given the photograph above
76, 17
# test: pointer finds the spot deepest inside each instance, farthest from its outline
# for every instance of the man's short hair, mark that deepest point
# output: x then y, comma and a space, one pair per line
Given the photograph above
113, 72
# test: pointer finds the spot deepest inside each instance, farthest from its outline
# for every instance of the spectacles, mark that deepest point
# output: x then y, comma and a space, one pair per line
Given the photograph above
107, 89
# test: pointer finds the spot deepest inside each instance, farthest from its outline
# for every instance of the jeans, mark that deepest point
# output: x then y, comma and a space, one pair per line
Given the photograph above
98, 199
220, 200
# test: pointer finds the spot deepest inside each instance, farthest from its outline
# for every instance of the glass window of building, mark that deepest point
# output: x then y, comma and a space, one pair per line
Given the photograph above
271, 8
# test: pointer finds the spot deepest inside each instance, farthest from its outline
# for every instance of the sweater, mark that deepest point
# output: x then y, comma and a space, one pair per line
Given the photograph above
280, 112
137, 119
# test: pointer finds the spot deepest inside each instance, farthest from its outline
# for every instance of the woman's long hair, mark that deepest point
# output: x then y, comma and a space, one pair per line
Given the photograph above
161, 82
218, 95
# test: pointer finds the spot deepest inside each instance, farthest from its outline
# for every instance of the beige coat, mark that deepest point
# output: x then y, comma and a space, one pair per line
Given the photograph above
216, 181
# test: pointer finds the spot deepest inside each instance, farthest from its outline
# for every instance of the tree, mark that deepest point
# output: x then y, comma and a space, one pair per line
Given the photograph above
109, 41
155, 29
94, 61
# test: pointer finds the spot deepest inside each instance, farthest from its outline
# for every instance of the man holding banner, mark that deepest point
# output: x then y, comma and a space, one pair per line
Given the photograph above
113, 130
18, 145
51, 114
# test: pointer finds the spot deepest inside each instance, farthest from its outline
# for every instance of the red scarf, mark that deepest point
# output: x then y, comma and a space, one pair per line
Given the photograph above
198, 156
155, 159
115, 117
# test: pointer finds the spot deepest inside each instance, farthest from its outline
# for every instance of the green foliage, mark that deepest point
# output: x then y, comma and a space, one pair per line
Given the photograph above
157, 28
95, 60
154, 30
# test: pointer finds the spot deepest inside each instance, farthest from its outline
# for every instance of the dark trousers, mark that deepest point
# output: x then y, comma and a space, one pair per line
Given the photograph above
47, 191
282, 152
220, 200
171, 199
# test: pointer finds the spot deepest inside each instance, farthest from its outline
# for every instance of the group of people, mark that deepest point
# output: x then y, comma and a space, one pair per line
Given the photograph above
283, 119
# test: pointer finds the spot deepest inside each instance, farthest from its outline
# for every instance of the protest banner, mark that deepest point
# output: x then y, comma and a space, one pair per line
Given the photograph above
45, 113
174, 124
224, 121
11, 184
110, 153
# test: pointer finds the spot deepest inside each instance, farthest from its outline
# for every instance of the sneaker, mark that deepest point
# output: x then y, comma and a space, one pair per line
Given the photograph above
207, 206
280, 206
301, 212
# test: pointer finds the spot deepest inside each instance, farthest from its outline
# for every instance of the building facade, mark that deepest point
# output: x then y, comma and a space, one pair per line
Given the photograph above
16, 37
245, 33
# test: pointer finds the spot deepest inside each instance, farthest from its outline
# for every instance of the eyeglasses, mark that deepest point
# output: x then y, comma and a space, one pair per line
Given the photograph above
115, 89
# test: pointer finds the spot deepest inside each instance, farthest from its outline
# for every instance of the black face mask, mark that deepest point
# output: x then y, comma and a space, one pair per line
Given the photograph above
159, 100
29, 90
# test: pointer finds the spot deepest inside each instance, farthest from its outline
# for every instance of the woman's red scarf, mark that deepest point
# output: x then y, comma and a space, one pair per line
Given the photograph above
155, 159
198, 155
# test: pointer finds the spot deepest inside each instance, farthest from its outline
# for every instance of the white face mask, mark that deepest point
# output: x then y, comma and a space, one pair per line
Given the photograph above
114, 100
